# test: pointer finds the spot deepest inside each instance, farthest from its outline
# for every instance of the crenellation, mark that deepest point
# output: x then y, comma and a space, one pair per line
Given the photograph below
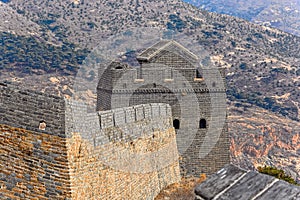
156, 72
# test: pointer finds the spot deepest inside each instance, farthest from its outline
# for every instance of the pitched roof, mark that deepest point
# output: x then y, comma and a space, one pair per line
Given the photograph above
169, 45
232, 183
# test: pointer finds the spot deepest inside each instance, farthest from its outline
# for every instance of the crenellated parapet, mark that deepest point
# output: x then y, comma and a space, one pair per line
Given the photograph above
59, 149
134, 121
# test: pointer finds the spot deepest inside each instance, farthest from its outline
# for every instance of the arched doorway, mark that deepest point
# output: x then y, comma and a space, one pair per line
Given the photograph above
176, 123
202, 123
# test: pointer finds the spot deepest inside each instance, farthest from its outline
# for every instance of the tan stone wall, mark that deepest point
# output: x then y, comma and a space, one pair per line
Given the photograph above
42, 166
122, 154
32, 165
92, 177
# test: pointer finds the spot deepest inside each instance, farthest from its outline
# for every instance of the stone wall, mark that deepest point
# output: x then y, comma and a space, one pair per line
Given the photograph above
126, 153
33, 165
232, 182
131, 155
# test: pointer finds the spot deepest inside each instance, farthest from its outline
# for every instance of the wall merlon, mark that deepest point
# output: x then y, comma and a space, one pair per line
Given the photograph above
106, 119
121, 116
155, 110
130, 115
139, 112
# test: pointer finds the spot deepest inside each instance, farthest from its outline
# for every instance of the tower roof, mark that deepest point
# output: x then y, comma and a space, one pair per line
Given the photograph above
166, 45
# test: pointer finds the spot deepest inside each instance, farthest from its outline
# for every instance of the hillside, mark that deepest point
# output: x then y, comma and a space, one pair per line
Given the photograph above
268, 58
262, 63
14, 21
259, 137
280, 14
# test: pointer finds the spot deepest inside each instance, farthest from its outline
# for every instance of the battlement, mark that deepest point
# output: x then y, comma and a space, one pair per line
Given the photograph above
94, 126
24, 108
175, 80
121, 116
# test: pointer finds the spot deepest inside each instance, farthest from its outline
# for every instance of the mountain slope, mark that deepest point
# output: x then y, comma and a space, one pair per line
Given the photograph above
281, 14
258, 138
269, 58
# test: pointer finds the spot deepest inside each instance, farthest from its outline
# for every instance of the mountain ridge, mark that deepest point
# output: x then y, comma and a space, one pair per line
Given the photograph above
283, 15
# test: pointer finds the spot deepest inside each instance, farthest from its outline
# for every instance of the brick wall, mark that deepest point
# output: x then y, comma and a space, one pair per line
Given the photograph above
25, 109
170, 77
126, 153
131, 154
33, 165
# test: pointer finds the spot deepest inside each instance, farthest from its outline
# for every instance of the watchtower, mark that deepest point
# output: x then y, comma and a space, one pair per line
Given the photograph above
170, 73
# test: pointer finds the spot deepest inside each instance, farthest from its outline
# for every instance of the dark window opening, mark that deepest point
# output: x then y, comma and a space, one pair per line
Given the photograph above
154, 85
214, 84
119, 67
202, 123
176, 123
198, 74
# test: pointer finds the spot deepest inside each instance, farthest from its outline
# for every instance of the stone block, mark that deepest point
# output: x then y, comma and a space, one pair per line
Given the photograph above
139, 112
130, 115
119, 116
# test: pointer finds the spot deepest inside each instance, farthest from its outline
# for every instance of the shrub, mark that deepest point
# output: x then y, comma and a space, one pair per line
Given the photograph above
278, 173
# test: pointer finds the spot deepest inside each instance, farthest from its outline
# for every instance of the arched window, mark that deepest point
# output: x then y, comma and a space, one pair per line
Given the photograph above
202, 123
176, 123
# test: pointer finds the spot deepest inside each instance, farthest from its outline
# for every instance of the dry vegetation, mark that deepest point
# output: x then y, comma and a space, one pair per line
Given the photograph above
183, 190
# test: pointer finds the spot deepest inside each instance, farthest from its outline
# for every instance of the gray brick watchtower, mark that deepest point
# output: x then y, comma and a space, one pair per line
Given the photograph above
170, 73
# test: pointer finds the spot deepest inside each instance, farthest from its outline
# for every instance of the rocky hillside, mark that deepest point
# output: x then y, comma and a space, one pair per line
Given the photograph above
263, 64
280, 14
259, 137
